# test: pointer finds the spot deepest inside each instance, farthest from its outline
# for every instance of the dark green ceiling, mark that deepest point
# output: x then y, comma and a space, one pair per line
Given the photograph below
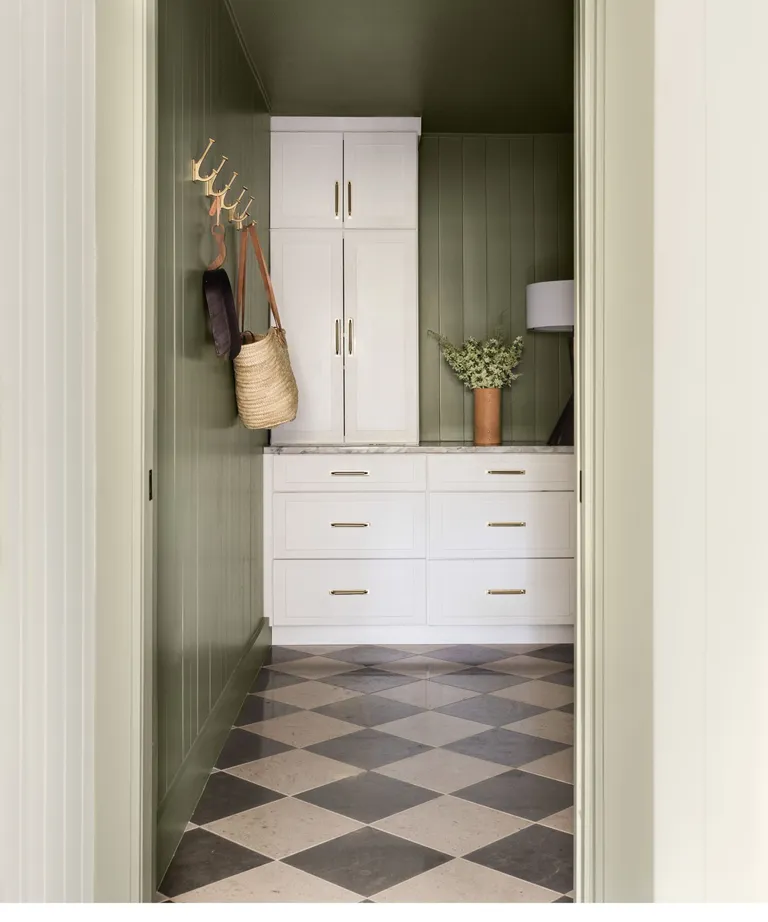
463, 65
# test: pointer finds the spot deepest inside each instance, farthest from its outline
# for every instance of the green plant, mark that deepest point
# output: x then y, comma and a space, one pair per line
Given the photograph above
487, 363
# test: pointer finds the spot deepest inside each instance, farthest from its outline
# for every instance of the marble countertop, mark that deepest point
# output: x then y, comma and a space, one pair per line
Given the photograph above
440, 448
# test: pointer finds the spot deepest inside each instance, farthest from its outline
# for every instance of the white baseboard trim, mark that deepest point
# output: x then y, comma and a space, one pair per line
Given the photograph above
426, 634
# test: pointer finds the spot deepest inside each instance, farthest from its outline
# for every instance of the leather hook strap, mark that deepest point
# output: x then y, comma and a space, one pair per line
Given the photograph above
249, 233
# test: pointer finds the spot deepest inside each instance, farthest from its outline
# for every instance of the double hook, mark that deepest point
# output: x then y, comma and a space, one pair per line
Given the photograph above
239, 220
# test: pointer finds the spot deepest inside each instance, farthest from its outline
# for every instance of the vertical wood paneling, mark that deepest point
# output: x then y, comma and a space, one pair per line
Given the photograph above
47, 369
209, 466
496, 213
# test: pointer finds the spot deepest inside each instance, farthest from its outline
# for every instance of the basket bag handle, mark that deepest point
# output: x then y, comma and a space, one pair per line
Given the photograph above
249, 233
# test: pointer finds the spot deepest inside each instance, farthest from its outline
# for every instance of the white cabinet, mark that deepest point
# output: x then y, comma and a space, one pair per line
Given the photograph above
380, 183
382, 337
306, 179
307, 272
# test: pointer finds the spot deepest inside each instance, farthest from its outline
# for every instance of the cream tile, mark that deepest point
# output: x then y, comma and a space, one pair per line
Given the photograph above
432, 728
314, 667
562, 820
558, 766
422, 648
421, 667
283, 827
271, 883
427, 694
513, 647
452, 826
309, 694
551, 725
442, 770
461, 881
572, 894
294, 771
304, 728
319, 649
542, 694
523, 665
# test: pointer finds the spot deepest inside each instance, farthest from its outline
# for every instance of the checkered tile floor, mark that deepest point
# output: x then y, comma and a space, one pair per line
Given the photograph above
391, 774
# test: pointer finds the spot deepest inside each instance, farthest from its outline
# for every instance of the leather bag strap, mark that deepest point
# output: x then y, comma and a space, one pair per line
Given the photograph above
249, 233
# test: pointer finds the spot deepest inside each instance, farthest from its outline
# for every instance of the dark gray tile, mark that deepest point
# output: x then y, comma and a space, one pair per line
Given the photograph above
469, 655
367, 861
507, 747
243, 746
479, 680
256, 708
368, 681
488, 709
267, 680
368, 797
369, 749
560, 678
368, 710
540, 855
284, 655
558, 653
370, 655
225, 794
567, 708
563, 899
521, 794
203, 858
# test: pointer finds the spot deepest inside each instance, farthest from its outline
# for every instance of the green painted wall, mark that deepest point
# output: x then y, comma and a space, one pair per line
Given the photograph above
209, 468
495, 213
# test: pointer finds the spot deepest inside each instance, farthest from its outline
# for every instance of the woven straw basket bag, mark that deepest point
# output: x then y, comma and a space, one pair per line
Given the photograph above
265, 387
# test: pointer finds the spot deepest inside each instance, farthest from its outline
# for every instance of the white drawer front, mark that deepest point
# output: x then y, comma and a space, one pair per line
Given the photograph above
501, 524
501, 472
349, 525
349, 592
348, 473
501, 592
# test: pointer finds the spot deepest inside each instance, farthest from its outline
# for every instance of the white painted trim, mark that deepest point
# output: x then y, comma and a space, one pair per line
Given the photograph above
311, 123
402, 634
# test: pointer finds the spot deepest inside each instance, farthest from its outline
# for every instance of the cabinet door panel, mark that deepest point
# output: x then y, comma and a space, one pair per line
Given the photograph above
380, 179
381, 337
307, 271
306, 178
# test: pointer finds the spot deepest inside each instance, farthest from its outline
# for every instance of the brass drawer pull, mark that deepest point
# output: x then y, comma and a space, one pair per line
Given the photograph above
348, 592
349, 199
506, 524
350, 473
336, 199
505, 472
338, 337
350, 524
505, 591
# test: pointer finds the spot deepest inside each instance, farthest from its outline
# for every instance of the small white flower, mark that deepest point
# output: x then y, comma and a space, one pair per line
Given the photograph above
489, 363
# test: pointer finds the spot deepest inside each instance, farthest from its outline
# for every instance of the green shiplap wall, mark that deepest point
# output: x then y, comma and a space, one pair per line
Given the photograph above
495, 214
209, 468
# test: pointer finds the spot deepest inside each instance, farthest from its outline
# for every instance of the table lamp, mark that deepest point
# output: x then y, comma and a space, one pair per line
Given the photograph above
549, 307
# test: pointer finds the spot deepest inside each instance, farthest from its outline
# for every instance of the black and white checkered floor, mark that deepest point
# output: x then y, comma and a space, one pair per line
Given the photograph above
391, 774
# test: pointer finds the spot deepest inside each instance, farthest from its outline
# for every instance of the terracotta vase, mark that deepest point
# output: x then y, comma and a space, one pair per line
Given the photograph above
487, 416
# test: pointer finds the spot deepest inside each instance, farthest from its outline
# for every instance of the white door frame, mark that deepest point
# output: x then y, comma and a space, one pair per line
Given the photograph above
614, 237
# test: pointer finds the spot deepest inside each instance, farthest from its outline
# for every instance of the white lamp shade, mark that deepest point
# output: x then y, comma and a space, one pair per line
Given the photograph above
550, 306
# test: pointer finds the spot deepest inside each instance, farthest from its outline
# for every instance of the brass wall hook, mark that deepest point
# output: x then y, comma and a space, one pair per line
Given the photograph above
233, 206
239, 220
209, 190
196, 164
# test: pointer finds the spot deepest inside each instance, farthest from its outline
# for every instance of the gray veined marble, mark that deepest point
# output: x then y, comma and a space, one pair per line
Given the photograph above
439, 448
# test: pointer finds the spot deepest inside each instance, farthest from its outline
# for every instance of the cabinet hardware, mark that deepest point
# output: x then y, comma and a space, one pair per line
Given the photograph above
350, 473
338, 337
350, 524
336, 199
505, 472
348, 592
506, 524
349, 199
505, 591
349, 336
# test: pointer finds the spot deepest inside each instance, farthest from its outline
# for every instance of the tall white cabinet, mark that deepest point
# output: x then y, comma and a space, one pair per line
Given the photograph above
344, 202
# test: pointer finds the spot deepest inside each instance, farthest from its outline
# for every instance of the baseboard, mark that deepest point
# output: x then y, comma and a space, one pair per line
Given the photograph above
179, 803
447, 634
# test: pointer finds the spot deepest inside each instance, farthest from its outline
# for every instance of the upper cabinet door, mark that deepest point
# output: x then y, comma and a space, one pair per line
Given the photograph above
380, 179
307, 271
381, 337
307, 179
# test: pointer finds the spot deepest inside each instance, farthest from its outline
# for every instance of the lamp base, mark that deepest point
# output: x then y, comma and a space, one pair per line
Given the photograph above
562, 434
